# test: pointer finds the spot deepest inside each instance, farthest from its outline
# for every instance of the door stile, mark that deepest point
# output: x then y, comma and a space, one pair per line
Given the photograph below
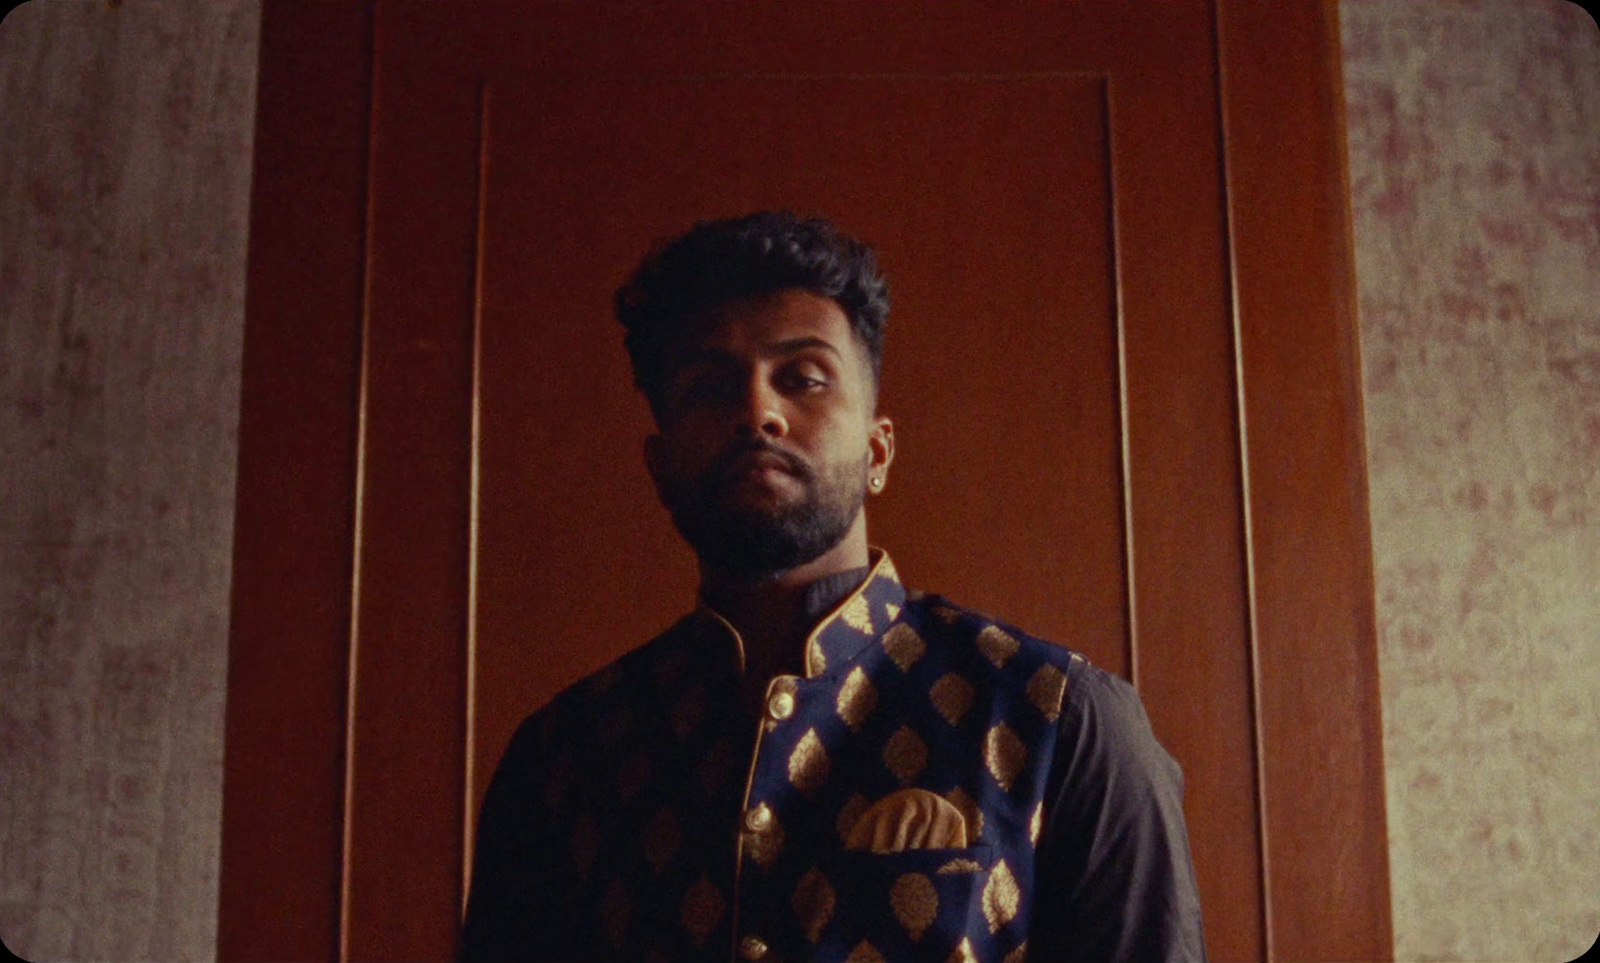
470, 795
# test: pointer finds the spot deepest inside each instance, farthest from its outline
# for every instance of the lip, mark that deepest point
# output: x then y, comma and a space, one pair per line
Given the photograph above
759, 460
764, 464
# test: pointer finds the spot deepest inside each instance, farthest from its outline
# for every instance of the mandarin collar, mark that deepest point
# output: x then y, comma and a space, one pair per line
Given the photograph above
846, 628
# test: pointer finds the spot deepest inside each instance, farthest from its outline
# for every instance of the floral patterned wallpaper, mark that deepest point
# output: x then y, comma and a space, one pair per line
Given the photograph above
1474, 137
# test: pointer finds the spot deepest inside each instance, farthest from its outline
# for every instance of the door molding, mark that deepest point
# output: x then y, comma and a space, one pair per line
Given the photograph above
286, 857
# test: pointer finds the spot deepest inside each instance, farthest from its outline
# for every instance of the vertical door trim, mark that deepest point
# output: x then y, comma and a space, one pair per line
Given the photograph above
1247, 518
1313, 608
469, 814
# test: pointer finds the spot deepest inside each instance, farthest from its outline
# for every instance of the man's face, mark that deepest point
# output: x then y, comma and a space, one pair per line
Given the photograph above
768, 436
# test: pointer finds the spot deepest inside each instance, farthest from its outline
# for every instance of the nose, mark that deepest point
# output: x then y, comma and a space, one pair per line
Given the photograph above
762, 412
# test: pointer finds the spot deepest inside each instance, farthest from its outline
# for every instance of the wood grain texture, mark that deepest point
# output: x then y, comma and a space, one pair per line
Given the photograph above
1300, 386
583, 161
284, 782
1321, 737
1164, 204
402, 885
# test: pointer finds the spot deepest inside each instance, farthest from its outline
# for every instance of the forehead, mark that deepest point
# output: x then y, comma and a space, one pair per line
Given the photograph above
780, 323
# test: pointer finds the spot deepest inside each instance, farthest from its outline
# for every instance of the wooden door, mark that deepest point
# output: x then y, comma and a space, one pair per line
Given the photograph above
1069, 367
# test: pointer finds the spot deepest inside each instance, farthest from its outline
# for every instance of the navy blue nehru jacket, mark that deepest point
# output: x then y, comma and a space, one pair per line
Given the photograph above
937, 786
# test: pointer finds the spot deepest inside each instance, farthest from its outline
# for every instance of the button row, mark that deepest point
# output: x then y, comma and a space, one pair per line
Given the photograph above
780, 706
758, 819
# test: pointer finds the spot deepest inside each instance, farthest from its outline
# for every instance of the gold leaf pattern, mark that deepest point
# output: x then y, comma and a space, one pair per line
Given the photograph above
905, 754
1036, 823
969, 808
857, 698
853, 808
892, 609
614, 912
946, 614
961, 865
915, 903
997, 645
962, 953
856, 614
816, 662
1004, 754
585, 843
661, 839
886, 570
809, 764
904, 645
701, 910
952, 696
764, 847
813, 903
1000, 897
1046, 689
1018, 955
688, 712
864, 953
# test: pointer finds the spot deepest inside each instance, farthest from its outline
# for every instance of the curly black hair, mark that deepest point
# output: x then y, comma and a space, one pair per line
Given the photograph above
687, 278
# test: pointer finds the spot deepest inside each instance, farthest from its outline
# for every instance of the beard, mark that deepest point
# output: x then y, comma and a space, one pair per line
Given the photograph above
756, 541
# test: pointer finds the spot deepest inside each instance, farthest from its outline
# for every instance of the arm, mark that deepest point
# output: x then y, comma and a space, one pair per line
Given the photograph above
517, 909
1115, 879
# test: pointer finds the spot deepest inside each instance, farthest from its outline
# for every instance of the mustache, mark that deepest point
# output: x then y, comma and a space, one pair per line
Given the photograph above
723, 468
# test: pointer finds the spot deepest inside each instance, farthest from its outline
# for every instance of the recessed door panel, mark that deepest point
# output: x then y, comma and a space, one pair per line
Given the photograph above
1047, 186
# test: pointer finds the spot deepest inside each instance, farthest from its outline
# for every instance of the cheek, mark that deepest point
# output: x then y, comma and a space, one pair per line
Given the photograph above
851, 449
689, 452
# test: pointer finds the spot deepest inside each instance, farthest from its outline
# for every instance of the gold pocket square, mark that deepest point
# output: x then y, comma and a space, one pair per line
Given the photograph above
909, 819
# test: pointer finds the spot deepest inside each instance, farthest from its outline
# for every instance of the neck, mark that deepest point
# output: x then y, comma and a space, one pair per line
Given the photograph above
768, 611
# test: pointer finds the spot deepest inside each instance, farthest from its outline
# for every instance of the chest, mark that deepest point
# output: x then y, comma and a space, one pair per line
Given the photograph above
705, 830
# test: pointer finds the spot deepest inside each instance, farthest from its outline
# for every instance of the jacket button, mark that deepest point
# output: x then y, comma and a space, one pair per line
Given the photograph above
758, 819
781, 705
751, 948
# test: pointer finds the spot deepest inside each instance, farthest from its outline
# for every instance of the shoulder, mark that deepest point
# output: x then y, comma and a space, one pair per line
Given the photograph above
1102, 719
1106, 745
997, 641
586, 707
1013, 666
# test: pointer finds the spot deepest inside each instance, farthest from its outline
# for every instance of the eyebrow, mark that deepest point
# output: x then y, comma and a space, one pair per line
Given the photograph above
775, 349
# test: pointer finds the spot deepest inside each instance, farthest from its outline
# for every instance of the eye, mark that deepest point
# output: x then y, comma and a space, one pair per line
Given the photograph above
802, 377
704, 388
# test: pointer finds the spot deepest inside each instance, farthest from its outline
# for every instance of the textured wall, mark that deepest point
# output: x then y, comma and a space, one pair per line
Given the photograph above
1475, 167
124, 182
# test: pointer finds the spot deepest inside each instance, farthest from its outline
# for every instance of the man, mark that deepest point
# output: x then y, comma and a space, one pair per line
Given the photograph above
817, 764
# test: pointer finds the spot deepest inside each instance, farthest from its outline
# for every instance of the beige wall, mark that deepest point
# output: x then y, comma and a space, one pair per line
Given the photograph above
1475, 169
124, 177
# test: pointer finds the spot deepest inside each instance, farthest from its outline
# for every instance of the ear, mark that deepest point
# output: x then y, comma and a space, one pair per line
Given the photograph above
655, 462
880, 452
